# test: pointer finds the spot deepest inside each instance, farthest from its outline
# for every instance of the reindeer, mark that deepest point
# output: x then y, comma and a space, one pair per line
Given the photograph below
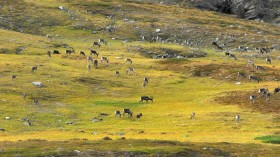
118, 113
255, 78
139, 116
128, 112
104, 59
89, 67
240, 74
268, 60
277, 90
96, 44
193, 115
89, 59
95, 63
69, 52
232, 56
56, 52
49, 54
146, 98
23, 95
131, 70
252, 98
251, 62
259, 67
34, 68
217, 46
146, 81
128, 60
237, 118
102, 41
14, 77
93, 52
82, 53
117, 73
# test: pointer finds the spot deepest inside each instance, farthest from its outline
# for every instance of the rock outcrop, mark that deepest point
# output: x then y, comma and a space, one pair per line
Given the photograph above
267, 10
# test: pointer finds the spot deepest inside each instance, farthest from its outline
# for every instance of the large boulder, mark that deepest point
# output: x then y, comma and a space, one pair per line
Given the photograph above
266, 10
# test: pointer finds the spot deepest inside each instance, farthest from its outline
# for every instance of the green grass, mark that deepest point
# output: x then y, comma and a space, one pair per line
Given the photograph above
72, 94
274, 139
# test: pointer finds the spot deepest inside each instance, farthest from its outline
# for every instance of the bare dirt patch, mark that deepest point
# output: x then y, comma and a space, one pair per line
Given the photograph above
241, 99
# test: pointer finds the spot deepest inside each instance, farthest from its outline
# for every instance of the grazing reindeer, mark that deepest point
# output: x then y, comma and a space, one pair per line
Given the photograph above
69, 52
128, 112
259, 67
252, 98
104, 59
216, 44
227, 53
131, 70
139, 116
96, 44
277, 90
146, 81
34, 68
193, 115
146, 98
89, 67
237, 118
118, 113
128, 60
49, 54
102, 41
93, 52
242, 48
14, 77
89, 59
255, 78
266, 94
240, 74
36, 101
23, 95
232, 56
251, 62
27, 121
56, 52
82, 53
268, 60
95, 63
262, 90
117, 73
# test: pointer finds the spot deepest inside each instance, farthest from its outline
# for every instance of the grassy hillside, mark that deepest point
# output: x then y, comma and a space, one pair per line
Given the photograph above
76, 105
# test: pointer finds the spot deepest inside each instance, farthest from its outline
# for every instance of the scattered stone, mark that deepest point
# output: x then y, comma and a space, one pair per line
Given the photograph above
238, 83
158, 30
141, 132
61, 7
120, 133
96, 120
38, 84
8, 118
103, 114
69, 123
106, 138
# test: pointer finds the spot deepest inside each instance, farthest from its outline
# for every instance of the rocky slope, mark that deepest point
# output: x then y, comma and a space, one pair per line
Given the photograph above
267, 10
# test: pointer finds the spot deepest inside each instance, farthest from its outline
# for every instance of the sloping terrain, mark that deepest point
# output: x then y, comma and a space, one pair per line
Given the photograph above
73, 112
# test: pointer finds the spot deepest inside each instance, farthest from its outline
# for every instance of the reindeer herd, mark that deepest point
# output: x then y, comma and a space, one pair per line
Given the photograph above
90, 59
261, 52
264, 92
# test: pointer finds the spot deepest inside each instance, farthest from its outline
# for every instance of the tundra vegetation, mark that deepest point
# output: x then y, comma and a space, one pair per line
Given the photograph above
72, 111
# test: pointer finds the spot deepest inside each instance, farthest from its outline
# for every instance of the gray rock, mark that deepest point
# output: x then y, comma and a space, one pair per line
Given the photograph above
248, 9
